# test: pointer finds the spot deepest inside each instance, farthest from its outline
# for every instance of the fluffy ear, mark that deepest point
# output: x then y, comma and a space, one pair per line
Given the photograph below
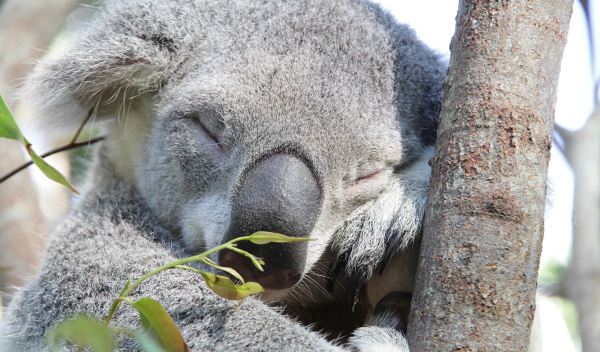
127, 50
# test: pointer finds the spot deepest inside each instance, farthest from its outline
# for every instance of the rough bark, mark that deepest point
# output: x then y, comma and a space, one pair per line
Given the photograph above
26, 30
483, 229
583, 277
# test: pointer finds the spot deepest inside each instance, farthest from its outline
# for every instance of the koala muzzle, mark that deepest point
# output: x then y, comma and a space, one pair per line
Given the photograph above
280, 194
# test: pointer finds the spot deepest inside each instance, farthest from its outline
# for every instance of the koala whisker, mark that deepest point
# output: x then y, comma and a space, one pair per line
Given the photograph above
332, 274
318, 286
300, 294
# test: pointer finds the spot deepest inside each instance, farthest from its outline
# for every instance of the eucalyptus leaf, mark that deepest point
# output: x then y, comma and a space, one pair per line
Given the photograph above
264, 237
9, 129
49, 170
228, 270
224, 287
156, 320
82, 331
8, 125
147, 342
256, 261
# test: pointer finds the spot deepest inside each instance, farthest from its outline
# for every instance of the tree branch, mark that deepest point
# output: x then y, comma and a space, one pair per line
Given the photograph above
51, 152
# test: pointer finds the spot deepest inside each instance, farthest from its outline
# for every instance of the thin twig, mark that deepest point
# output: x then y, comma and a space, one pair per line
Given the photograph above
82, 125
72, 145
52, 152
132, 286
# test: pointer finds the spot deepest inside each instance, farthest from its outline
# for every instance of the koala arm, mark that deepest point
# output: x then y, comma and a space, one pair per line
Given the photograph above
111, 236
389, 224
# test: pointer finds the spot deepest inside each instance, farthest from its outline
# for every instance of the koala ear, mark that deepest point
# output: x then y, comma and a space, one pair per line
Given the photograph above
129, 49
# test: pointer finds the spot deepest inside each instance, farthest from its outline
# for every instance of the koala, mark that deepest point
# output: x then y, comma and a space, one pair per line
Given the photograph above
308, 118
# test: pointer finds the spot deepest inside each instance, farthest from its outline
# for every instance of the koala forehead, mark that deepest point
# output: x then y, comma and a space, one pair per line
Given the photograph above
290, 106
315, 74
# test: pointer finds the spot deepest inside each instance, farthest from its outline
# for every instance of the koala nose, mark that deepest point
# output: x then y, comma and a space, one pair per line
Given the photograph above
271, 278
279, 194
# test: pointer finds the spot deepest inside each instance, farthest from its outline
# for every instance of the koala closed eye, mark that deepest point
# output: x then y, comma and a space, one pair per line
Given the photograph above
367, 186
211, 132
370, 182
371, 176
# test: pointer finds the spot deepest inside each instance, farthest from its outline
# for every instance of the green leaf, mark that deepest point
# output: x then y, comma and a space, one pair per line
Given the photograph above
48, 169
9, 129
147, 343
8, 125
82, 331
228, 270
264, 237
157, 321
224, 287
256, 261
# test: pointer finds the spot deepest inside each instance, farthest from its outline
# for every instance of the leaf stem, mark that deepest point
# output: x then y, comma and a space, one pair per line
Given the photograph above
52, 152
82, 125
131, 287
71, 145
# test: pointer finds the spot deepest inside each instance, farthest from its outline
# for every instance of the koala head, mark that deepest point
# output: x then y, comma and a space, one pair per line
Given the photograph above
297, 117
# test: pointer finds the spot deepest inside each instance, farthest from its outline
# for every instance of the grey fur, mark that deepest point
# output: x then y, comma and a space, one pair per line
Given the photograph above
112, 236
338, 82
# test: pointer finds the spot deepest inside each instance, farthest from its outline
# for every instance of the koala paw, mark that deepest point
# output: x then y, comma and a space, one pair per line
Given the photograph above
377, 339
378, 230
365, 242
386, 327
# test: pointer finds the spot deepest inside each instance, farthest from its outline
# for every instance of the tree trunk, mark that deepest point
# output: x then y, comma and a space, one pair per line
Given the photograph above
483, 229
583, 277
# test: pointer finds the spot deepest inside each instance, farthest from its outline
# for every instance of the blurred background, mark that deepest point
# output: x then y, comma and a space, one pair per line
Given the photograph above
568, 307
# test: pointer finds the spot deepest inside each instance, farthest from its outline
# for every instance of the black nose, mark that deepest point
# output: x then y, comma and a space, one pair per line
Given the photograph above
279, 194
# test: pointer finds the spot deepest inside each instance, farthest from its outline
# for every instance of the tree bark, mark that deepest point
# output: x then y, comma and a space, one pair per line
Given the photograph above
483, 229
583, 277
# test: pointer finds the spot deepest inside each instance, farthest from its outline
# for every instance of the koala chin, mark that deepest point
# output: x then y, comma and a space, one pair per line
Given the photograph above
307, 118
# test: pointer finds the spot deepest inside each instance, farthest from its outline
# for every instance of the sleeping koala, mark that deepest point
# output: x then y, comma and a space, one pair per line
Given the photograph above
305, 117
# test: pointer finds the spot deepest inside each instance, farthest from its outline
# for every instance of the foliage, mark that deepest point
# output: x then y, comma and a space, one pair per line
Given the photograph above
158, 331
552, 273
10, 130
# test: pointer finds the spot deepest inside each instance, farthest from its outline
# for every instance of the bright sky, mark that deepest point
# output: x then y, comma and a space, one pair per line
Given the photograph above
419, 15
574, 104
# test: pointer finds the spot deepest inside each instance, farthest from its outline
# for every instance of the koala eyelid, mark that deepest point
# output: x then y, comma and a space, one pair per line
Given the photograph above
368, 176
210, 133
